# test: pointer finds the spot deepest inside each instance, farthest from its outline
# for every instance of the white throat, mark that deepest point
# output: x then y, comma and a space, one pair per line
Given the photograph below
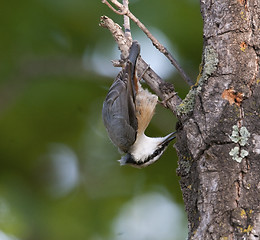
144, 146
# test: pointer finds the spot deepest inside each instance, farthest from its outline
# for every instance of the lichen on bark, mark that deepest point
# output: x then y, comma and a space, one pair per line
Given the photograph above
210, 60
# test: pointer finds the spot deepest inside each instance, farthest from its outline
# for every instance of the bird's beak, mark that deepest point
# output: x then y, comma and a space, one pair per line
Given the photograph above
168, 138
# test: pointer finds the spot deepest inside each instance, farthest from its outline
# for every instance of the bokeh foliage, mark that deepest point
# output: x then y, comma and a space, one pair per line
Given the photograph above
58, 175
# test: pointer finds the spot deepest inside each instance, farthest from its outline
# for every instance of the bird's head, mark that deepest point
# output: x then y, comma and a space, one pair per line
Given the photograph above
146, 150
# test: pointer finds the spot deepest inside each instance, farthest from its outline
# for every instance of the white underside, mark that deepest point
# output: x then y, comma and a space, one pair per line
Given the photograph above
144, 146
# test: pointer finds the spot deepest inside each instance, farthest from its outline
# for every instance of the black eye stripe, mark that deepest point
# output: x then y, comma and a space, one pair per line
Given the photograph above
131, 160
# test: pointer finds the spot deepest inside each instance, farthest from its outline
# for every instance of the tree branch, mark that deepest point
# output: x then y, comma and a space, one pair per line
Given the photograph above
127, 22
113, 9
164, 90
123, 10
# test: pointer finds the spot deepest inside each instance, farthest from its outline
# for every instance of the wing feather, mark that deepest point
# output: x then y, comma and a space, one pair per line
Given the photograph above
119, 113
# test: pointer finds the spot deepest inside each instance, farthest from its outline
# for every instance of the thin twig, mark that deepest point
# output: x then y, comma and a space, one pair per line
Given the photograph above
163, 89
123, 10
161, 48
127, 22
120, 12
118, 35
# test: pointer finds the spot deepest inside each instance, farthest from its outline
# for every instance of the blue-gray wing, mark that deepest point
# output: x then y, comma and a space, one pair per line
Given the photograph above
119, 111
119, 106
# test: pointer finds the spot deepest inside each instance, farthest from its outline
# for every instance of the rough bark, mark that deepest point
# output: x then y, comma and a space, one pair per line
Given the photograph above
219, 126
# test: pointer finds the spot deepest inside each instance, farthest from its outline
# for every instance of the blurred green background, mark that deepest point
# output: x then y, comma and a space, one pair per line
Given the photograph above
59, 178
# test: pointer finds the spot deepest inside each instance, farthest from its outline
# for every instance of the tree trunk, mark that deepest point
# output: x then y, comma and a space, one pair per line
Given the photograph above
219, 126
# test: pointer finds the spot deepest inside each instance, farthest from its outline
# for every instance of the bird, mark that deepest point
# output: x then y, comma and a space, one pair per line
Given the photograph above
127, 112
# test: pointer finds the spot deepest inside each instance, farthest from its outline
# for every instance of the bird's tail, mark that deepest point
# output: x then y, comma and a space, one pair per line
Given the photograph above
134, 52
133, 55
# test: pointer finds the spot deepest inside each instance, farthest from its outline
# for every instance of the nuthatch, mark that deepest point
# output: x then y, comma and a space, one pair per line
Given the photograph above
127, 111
